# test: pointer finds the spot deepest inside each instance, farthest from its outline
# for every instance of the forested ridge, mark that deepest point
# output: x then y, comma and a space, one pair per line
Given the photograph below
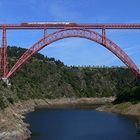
44, 77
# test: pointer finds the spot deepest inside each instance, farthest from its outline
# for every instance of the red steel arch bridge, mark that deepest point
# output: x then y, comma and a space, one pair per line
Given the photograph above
62, 30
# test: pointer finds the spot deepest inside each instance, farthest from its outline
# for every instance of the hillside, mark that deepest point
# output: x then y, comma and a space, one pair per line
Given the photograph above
44, 77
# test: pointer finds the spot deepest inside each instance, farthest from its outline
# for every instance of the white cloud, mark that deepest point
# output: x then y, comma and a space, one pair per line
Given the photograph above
130, 48
133, 52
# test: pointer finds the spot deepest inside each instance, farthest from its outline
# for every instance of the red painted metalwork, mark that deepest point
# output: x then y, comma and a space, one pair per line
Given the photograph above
45, 32
74, 32
63, 25
104, 35
68, 29
3, 58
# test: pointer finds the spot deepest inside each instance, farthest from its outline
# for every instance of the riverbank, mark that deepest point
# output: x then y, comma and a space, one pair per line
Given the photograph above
12, 125
127, 108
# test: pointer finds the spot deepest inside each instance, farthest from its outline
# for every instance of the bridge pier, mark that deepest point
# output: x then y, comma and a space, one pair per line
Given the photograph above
103, 35
45, 32
3, 54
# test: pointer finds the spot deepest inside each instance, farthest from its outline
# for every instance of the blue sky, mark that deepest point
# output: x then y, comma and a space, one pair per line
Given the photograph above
75, 51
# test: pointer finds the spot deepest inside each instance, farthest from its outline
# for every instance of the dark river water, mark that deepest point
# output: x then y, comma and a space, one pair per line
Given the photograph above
80, 124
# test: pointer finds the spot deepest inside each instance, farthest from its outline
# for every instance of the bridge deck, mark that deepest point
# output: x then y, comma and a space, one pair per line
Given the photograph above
62, 25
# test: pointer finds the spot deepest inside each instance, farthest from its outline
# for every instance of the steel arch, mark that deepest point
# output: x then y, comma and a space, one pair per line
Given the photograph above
74, 32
